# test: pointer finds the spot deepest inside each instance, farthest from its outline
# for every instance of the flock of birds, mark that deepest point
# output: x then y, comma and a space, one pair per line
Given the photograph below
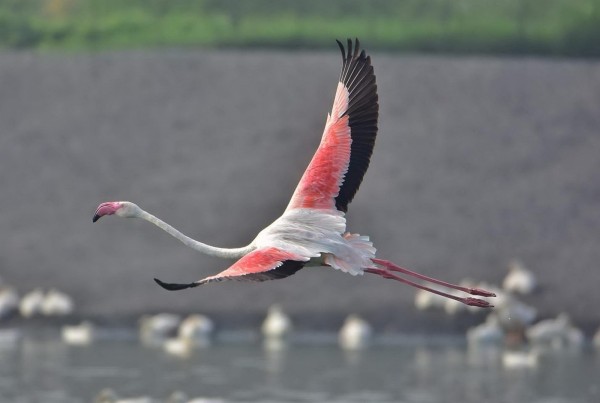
51, 303
510, 327
512, 323
169, 331
110, 396
180, 337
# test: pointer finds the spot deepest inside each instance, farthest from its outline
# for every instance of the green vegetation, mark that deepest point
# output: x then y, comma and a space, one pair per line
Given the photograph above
549, 27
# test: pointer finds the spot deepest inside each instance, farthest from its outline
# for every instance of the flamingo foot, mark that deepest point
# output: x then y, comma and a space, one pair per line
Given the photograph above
480, 292
476, 302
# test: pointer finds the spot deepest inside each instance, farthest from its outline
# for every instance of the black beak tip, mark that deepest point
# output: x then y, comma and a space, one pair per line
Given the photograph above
96, 218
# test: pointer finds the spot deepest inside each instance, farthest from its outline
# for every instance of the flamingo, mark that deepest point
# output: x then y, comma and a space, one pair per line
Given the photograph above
79, 335
277, 324
519, 279
312, 229
355, 334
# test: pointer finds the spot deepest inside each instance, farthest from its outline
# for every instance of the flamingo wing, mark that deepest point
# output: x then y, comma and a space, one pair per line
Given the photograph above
259, 265
339, 164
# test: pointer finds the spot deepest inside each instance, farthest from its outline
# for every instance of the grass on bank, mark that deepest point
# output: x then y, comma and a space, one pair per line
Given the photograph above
549, 27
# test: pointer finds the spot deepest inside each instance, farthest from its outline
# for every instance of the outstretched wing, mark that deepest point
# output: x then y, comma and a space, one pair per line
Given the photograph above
259, 265
337, 168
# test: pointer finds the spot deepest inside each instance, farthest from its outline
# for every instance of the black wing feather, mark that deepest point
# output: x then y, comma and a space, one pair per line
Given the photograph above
363, 111
286, 269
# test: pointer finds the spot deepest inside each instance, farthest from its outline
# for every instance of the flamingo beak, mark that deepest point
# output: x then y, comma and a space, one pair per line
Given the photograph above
107, 208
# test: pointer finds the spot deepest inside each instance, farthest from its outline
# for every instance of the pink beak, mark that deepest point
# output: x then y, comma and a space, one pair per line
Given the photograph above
107, 208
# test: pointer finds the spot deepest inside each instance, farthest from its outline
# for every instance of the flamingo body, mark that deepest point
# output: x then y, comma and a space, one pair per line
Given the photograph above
312, 229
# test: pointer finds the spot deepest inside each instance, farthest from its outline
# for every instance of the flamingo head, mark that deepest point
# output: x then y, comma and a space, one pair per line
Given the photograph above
119, 208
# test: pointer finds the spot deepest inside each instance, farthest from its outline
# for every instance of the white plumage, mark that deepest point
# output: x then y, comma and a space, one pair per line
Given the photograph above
558, 332
425, 300
193, 332
155, 329
57, 303
196, 327
313, 233
108, 395
489, 332
31, 303
277, 324
79, 335
355, 334
519, 280
520, 359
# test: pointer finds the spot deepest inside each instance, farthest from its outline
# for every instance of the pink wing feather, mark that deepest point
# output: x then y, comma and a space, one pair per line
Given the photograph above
260, 265
339, 164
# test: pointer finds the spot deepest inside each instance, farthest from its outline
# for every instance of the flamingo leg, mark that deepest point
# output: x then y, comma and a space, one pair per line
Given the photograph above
467, 301
473, 291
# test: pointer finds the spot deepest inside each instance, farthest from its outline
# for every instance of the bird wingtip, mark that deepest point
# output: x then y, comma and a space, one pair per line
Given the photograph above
173, 286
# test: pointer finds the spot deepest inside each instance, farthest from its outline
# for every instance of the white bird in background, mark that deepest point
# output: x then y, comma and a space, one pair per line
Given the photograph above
196, 328
193, 332
558, 332
548, 330
514, 315
519, 280
574, 337
489, 332
517, 359
155, 329
180, 397
277, 324
177, 397
312, 229
179, 347
31, 303
79, 335
9, 301
355, 334
108, 395
425, 300
57, 303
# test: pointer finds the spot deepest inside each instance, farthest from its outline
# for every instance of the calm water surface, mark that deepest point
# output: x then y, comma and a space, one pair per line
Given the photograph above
43, 369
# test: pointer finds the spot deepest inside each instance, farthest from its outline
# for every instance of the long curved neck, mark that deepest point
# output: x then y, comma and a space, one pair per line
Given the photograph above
227, 253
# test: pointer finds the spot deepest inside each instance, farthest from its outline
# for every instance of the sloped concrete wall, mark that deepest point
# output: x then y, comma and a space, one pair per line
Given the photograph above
478, 161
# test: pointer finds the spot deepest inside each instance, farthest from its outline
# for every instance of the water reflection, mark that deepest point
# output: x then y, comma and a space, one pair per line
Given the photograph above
44, 369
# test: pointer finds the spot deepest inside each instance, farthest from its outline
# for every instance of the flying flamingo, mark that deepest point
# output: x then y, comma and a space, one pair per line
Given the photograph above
312, 229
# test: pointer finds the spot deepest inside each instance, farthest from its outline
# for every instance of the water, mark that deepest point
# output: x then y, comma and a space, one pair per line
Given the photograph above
43, 369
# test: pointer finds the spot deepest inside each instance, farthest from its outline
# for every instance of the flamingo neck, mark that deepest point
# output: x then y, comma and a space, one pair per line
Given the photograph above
226, 253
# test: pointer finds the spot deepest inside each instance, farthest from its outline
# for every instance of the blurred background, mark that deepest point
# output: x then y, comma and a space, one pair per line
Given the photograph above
544, 27
205, 113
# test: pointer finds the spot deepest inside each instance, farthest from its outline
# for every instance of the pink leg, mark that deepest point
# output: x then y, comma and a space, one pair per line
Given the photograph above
473, 291
467, 301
